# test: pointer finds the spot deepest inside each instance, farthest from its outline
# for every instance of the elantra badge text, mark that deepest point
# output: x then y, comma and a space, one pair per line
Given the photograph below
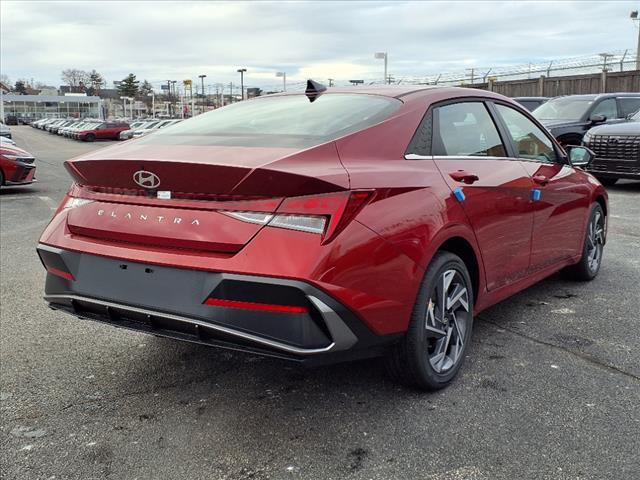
146, 179
145, 218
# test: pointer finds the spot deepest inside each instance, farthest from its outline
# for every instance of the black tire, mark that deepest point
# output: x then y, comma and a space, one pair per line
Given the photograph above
90, 138
607, 181
413, 361
589, 265
1, 178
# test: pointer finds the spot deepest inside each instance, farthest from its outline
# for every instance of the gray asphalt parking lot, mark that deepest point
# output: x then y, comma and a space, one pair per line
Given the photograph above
550, 388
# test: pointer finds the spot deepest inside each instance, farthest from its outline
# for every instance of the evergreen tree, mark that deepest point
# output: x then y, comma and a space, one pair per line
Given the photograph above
145, 88
20, 88
129, 86
96, 81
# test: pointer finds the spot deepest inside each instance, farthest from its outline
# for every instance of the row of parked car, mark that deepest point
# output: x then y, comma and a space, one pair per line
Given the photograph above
608, 124
90, 130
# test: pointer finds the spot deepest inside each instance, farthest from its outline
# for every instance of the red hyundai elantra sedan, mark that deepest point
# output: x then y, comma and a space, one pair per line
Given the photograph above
326, 225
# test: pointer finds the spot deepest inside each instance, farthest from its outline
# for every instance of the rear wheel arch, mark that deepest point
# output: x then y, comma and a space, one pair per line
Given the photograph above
600, 199
462, 248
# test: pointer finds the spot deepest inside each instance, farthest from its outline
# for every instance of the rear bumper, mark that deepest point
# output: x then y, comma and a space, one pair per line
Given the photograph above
170, 302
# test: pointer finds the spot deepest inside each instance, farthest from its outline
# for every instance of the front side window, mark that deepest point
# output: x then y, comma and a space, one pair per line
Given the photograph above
607, 108
530, 141
465, 129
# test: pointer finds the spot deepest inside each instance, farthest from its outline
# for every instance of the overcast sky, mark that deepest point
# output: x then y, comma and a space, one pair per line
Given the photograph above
177, 40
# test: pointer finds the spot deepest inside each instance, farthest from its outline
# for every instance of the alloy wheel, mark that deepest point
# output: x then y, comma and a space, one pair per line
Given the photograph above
595, 241
447, 321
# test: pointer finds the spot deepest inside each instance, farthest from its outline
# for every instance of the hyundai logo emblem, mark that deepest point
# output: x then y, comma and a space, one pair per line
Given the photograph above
146, 179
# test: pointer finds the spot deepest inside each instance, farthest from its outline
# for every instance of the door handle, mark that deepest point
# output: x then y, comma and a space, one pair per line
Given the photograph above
464, 177
540, 179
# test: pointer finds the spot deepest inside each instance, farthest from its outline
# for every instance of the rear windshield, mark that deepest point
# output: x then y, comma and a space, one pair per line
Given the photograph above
280, 121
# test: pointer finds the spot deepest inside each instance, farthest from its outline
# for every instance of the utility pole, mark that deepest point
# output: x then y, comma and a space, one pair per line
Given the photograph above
173, 82
169, 95
284, 80
230, 92
473, 71
202, 77
385, 56
330, 82
241, 72
636, 21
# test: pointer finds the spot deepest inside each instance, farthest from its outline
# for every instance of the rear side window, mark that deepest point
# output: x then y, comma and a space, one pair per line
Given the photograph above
529, 140
607, 108
465, 129
628, 106
281, 121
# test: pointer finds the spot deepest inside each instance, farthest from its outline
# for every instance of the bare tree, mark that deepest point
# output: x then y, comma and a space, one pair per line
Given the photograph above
74, 77
4, 78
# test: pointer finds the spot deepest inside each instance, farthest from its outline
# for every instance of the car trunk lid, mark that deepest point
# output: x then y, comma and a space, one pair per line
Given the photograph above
174, 196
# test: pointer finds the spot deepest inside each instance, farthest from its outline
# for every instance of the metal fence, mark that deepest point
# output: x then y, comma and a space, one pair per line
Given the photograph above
603, 82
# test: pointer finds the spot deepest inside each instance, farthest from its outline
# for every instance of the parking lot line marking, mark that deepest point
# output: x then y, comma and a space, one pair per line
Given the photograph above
50, 202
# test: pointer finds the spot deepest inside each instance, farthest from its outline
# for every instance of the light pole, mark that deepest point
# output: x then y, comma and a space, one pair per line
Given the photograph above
124, 106
379, 56
202, 77
241, 72
634, 18
173, 82
284, 80
153, 103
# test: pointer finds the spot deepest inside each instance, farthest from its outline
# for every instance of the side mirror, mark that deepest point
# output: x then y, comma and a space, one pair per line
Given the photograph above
580, 156
597, 118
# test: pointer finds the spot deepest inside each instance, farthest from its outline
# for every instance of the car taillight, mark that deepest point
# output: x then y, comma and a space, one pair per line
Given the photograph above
303, 223
324, 215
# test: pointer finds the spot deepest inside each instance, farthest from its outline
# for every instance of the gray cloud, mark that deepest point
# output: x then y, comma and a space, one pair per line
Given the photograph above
162, 40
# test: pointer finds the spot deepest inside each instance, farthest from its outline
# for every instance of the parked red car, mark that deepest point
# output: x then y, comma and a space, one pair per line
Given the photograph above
326, 226
102, 131
16, 166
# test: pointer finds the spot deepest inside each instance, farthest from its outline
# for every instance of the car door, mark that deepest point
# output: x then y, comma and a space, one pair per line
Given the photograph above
560, 198
493, 188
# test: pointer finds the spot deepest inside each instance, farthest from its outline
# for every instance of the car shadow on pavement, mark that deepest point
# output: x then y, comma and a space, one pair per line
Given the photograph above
17, 190
625, 186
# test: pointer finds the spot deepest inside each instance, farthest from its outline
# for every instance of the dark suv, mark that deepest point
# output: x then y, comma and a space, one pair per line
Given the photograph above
617, 149
568, 118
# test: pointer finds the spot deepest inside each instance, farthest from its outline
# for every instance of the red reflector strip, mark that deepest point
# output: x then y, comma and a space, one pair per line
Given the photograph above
265, 307
60, 273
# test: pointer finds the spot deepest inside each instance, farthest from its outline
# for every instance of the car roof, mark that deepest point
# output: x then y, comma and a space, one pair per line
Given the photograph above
393, 91
598, 96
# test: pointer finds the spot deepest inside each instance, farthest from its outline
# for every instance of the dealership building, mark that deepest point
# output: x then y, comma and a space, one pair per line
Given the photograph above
45, 106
